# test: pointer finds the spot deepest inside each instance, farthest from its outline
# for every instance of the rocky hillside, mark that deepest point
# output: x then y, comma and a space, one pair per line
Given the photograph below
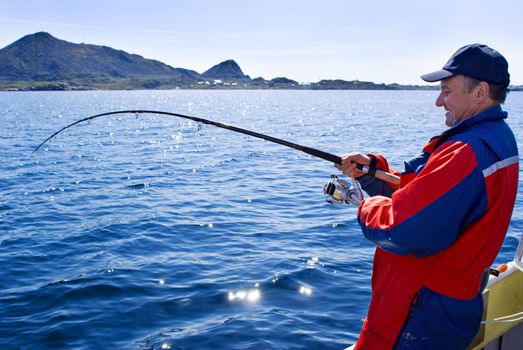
228, 70
41, 57
42, 62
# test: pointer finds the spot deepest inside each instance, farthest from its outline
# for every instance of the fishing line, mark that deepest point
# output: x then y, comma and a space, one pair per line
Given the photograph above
309, 150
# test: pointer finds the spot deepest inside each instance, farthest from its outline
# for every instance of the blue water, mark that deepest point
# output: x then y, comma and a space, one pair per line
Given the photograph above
158, 233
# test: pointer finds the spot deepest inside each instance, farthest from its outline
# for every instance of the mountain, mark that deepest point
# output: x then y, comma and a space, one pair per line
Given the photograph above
41, 57
42, 62
228, 70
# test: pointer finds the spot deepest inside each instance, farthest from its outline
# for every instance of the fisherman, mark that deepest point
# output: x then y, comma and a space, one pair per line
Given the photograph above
438, 232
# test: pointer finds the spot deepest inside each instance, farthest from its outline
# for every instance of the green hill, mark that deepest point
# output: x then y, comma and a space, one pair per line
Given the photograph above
42, 58
42, 62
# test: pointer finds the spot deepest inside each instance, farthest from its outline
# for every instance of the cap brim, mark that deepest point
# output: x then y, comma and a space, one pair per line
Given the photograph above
437, 75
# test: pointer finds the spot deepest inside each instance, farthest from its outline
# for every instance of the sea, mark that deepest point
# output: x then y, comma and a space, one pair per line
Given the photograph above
156, 232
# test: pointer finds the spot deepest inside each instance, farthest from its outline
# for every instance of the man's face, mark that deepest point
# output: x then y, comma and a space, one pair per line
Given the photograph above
458, 104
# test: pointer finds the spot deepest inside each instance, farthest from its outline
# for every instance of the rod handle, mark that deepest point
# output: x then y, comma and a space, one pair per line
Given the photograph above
382, 175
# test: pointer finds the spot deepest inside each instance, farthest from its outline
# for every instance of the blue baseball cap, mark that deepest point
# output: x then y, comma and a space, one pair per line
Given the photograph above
475, 61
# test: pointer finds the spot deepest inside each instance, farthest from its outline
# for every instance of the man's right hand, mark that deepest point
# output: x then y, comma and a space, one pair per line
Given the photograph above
349, 163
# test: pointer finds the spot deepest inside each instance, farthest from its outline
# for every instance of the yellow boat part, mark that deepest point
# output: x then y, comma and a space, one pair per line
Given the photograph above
503, 297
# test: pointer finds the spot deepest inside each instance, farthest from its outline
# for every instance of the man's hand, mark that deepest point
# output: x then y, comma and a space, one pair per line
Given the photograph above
349, 163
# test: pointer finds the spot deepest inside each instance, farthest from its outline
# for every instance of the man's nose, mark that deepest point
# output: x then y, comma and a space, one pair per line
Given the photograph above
439, 101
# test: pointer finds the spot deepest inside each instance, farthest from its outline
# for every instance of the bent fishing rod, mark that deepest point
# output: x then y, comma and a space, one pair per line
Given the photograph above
379, 174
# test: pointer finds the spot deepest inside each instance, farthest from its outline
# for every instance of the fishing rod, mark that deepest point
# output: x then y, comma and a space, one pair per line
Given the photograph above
382, 175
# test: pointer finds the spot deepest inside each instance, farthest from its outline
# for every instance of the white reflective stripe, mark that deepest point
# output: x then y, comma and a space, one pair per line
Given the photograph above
500, 165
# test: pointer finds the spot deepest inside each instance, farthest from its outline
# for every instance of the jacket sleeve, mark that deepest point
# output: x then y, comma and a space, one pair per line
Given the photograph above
427, 214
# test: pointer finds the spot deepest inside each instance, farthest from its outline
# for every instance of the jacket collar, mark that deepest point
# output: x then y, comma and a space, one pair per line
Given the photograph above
491, 114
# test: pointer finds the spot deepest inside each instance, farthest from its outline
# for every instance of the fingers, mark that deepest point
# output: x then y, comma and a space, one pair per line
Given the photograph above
350, 161
356, 157
350, 169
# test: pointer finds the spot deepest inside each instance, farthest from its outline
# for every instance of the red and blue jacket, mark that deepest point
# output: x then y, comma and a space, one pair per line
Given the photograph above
437, 233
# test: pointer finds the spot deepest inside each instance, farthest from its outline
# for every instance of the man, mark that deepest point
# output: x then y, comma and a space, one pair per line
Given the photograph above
442, 227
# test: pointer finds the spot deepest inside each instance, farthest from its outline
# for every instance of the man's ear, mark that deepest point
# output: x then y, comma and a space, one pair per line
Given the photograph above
482, 92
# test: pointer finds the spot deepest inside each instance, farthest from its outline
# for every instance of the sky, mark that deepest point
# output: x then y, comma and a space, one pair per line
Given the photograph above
383, 41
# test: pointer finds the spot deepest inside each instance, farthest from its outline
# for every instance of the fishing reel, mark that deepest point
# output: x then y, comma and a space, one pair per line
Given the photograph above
341, 191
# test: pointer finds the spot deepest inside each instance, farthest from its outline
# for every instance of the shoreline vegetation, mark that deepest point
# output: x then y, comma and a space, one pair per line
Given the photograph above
41, 62
164, 84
